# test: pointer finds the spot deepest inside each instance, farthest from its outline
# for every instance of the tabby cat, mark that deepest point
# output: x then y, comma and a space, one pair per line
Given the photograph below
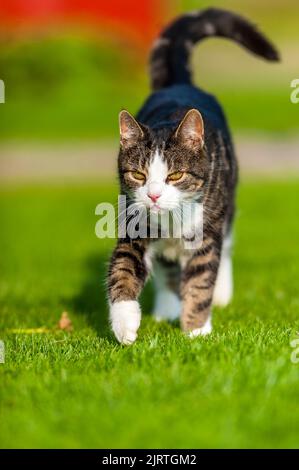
179, 150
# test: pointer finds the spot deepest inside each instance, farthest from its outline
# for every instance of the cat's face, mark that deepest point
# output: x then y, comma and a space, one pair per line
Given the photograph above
161, 171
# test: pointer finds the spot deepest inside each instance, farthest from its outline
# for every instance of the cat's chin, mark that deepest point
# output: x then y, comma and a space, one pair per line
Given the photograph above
157, 210
161, 212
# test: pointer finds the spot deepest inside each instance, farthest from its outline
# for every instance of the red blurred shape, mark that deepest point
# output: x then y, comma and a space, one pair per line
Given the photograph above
137, 20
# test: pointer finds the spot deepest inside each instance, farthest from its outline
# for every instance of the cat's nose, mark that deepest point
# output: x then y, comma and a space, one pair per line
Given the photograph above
154, 197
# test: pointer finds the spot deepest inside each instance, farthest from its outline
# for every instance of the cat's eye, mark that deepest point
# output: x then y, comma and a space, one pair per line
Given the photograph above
137, 175
175, 176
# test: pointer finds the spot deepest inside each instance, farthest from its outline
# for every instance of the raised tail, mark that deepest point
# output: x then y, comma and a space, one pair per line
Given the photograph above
169, 60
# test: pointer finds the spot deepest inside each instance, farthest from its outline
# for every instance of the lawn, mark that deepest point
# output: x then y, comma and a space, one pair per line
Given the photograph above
236, 388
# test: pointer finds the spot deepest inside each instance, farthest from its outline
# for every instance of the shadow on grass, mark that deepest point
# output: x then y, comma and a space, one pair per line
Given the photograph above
91, 300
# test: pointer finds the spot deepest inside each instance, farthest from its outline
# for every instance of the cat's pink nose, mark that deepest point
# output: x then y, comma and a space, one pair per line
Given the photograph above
154, 197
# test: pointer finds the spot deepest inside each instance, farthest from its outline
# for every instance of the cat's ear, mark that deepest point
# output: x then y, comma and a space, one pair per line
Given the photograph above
191, 130
130, 130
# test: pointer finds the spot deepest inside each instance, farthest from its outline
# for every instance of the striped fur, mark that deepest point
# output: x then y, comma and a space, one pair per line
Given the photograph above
180, 128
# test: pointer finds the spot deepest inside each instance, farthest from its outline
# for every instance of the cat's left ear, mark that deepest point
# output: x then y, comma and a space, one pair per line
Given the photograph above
130, 130
191, 130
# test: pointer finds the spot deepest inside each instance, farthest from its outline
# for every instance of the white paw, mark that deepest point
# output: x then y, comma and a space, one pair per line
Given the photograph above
203, 331
125, 317
223, 290
167, 307
222, 296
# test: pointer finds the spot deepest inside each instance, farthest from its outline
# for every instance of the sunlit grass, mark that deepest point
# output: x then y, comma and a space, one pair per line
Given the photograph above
236, 388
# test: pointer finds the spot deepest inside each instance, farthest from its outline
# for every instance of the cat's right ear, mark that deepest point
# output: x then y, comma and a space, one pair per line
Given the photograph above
130, 130
191, 130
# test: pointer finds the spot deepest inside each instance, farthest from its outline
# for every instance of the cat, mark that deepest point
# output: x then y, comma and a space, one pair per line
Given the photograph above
179, 150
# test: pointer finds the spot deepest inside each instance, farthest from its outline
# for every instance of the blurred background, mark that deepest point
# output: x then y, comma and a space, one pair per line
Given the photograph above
70, 66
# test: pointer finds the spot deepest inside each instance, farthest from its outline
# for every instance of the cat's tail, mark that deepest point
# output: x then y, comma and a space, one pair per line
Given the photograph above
169, 60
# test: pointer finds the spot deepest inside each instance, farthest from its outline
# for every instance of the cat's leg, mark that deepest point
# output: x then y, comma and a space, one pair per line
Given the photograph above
197, 286
127, 275
224, 283
166, 281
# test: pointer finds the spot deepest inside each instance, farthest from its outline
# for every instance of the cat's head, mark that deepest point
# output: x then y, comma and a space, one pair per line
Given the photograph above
162, 169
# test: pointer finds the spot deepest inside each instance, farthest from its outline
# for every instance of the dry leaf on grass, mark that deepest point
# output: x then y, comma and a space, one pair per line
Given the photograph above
65, 323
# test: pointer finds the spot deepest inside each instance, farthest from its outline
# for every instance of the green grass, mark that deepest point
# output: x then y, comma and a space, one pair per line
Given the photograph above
236, 388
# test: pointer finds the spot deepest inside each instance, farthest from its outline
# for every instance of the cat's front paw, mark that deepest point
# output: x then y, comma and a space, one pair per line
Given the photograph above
206, 329
125, 317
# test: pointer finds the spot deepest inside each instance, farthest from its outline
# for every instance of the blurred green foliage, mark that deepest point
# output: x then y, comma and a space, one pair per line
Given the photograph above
70, 86
66, 87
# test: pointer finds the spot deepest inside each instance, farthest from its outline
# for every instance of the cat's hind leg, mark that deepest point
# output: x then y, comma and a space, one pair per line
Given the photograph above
166, 280
197, 286
224, 282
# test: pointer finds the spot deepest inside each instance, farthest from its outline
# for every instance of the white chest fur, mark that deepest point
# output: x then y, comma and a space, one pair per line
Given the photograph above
172, 249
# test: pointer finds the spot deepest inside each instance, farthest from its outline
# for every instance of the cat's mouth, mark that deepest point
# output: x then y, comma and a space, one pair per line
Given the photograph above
156, 209
161, 209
